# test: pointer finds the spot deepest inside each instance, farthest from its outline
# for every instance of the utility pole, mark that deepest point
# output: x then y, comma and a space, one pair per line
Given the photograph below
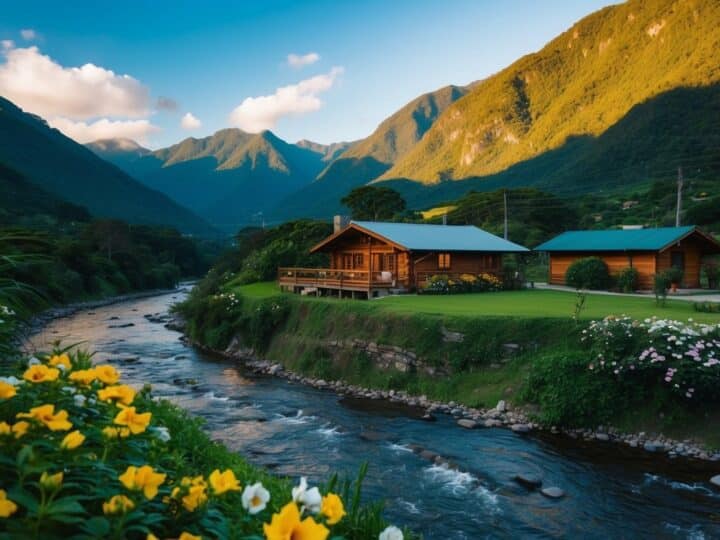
505, 228
678, 208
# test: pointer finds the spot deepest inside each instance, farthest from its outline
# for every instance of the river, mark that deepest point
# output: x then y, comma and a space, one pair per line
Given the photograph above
297, 430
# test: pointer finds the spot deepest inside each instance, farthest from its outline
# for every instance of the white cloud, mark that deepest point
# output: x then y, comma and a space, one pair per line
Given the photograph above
256, 114
84, 132
300, 60
7, 44
28, 34
38, 84
189, 121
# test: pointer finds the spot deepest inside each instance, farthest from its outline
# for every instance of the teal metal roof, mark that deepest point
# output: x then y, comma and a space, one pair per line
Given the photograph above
616, 240
422, 237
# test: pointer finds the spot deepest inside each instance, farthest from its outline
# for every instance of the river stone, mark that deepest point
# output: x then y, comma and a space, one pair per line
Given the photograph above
528, 480
428, 454
553, 492
501, 406
467, 423
372, 436
428, 417
715, 480
520, 428
653, 447
602, 436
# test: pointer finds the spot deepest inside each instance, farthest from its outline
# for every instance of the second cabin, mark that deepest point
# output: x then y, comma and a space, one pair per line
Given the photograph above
370, 259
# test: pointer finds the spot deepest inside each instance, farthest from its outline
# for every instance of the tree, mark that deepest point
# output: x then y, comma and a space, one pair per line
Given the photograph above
374, 203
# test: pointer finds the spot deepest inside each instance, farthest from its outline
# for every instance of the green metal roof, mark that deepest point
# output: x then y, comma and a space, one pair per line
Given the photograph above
616, 240
422, 237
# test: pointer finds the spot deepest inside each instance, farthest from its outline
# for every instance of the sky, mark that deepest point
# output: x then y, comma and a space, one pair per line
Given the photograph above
327, 71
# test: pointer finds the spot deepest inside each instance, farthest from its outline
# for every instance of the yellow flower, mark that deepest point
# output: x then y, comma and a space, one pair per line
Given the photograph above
151, 536
112, 432
41, 373
193, 481
122, 393
118, 504
72, 440
7, 507
143, 478
136, 422
5, 428
51, 481
7, 390
20, 428
287, 525
222, 482
83, 376
107, 374
195, 497
332, 508
188, 536
61, 360
46, 414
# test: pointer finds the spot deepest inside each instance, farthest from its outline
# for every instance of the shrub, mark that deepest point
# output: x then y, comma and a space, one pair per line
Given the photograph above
627, 280
571, 395
661, 284
674, 275
712, 272
681, 356
465, 283
707, 307
588, 273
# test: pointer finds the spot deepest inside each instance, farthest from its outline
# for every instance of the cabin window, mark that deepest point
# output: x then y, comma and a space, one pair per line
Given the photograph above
387, 262
444, 261
347, 261
358, 260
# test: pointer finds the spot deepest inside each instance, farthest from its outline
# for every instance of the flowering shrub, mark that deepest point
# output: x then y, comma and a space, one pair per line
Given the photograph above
465, 283
84, 456
683, 356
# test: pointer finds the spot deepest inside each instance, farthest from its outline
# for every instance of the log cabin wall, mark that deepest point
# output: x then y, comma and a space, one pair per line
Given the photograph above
688, 253
429, 263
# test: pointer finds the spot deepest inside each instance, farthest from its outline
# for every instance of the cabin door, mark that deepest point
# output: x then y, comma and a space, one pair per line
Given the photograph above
677, 260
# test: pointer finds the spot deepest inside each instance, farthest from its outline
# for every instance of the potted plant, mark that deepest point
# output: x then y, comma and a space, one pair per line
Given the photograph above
675, 276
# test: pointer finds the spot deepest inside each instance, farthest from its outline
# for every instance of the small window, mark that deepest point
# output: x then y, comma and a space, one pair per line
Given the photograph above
358, 260
444, 261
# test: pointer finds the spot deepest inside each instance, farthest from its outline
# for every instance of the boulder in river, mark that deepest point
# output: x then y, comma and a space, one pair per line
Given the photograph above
467, 423
501, 406
372, 435
654, 446
520, 428
715, 481
126, 325
528, 480
553, 492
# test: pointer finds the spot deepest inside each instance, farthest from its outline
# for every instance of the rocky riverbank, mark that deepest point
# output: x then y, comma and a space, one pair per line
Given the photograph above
503, 415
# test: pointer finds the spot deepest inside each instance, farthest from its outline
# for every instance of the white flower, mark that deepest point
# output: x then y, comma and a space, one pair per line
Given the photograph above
79, 400
11, 380
34, 362
255, 498
391, 533
162, 433
69, 389
309, 498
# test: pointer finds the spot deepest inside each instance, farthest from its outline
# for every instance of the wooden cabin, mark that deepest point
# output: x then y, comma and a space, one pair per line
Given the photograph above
650, 251
370, 259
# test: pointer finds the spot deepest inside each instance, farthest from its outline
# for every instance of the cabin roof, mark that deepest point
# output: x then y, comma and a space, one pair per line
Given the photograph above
424, 237
622, 239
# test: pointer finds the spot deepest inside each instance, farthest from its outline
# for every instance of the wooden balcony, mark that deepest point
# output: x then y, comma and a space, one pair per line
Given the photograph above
328, 278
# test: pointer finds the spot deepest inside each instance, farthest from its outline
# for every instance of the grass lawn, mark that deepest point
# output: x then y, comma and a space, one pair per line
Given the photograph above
527, 303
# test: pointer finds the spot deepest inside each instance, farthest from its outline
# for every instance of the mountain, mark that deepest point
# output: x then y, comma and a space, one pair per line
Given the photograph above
231, 177
23, 202
369, 158
120, 151
623, 97
71, 172
329, 152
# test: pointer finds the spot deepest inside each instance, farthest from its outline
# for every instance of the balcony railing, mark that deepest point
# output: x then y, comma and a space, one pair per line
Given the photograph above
336, 279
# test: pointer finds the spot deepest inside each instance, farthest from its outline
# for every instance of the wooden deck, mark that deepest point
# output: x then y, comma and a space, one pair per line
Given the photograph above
316, 279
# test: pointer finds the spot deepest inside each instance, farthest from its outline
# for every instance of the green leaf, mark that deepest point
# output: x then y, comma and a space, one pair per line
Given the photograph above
66, 505
23, 498
97, 526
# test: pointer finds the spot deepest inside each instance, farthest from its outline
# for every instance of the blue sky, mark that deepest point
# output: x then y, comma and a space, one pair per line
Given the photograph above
208, 57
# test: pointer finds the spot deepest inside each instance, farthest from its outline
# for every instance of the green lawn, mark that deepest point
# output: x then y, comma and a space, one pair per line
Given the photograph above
527, 303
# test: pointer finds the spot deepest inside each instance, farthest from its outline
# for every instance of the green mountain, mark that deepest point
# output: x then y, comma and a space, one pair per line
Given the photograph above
121, 152
24, 203
623, 97
369, 158
329, 152
72, 173
231, 178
